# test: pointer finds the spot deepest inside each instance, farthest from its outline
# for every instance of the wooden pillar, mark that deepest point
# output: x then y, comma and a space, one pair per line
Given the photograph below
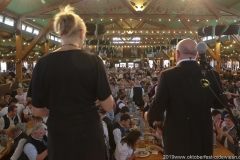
172, 58
143, 56
218, 50
19, 62
161, 64
47, 44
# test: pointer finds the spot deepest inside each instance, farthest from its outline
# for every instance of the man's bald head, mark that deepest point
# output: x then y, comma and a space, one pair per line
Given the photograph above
187, 49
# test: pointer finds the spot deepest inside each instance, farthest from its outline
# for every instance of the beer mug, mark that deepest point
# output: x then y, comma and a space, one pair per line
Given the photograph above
4, 140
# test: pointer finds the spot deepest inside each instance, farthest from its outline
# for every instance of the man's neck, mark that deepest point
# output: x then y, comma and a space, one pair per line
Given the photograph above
121, 124
9, 115
36, 138
18, 134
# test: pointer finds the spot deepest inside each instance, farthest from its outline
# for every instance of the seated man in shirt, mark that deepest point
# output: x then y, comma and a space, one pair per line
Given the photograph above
9, 119
21, 96
7, 98
39, 120
36, 145
3, 107
19, 140
20, 107
225, 135
27, 112
123, 110
121, 102
118, 128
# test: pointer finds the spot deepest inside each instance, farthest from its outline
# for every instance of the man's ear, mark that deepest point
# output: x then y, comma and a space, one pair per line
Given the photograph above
177, 54
81, 33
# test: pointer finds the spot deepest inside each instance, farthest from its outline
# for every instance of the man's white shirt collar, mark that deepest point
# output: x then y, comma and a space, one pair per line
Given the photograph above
186, 59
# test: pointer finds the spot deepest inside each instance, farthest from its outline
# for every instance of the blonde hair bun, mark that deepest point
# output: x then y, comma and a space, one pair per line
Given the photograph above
66, 22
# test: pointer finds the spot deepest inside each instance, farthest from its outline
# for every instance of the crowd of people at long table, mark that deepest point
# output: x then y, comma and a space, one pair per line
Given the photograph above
133, 90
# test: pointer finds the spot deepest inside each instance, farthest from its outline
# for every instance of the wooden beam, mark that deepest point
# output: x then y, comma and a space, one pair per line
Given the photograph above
156, 37
235, 4
4, 4
155, 24
186, 25
129, 6
212, 54
5, 47
212, 9
141, 16
172, 57
127, 23
149, 6
119, 26
156, 16
140, 24
166, 54
167, 23
49, 8
47, 43
222, 8
218, 51
236, 38
40, 16
109, 22
10, 13
19, 50
173, 36
42, 33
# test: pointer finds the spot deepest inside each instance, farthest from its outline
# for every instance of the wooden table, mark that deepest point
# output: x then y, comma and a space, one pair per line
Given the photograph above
220, 151
10, 141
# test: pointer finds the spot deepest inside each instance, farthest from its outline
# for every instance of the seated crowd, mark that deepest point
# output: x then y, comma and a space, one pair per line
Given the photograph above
17, 110
127, 85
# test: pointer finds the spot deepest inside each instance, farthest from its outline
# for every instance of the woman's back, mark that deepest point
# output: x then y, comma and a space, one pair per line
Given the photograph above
70, 81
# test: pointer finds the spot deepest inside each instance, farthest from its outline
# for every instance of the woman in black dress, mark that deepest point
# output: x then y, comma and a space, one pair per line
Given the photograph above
65, 85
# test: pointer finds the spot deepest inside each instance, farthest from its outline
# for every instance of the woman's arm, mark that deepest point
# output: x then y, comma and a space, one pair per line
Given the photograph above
107, 104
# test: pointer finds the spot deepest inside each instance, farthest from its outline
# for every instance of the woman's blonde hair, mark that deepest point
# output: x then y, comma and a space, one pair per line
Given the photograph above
66, 22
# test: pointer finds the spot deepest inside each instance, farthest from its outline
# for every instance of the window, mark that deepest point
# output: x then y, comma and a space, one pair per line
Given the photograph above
25, 64
29, 29
52, 38
36, 31
23, 27
130, 65
166, 63
229, 64
3, 66
34, 64
1, 18
9, 21
116, 65
122, 64
57, 39
150, 63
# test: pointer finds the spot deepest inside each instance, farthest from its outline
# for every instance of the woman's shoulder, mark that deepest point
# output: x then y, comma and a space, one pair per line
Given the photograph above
123, 146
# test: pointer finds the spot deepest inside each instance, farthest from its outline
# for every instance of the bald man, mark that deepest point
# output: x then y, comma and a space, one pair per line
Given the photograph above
188, 123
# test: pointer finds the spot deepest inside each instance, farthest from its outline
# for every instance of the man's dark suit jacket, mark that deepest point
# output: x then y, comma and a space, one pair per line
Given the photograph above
188, 123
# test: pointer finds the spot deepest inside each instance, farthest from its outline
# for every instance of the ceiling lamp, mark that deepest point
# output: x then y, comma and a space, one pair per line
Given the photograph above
130, 32
140, 7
